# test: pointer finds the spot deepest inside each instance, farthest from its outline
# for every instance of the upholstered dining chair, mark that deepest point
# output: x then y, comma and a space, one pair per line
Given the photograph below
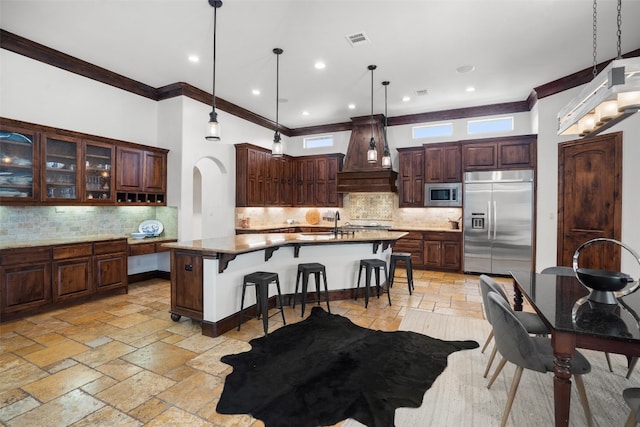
632, 397
526, 352
561, 270
531, 321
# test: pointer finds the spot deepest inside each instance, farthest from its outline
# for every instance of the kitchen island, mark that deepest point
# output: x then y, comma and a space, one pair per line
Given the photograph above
206, 275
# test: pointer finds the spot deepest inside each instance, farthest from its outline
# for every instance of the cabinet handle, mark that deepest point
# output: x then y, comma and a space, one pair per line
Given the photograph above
188, 267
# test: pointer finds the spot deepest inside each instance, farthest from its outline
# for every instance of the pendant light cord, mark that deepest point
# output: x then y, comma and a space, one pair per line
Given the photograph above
372, 68
595, 38
213, 101
619, 29
277, 87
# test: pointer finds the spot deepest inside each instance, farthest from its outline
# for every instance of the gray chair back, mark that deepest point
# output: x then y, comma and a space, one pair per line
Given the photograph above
492, 285
485, 288
512, 339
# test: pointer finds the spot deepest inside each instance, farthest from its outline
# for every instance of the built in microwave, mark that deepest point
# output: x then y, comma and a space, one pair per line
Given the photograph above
443, 194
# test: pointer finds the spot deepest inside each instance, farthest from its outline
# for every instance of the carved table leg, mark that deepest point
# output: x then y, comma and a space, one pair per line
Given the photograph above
563, 350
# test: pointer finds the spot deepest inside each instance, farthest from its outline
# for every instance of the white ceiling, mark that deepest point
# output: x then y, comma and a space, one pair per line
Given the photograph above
515, 45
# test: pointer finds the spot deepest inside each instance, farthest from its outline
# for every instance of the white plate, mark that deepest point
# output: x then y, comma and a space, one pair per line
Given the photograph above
151, 227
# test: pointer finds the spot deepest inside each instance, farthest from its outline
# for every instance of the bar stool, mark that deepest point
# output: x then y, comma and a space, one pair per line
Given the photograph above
261, 280
304, 270
401, 257
369, 265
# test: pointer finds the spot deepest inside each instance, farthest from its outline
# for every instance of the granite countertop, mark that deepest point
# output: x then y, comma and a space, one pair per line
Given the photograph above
79, 239
327, 225
243, 243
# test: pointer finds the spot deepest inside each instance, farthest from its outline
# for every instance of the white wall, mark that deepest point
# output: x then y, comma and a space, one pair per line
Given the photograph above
39, 93
548, 142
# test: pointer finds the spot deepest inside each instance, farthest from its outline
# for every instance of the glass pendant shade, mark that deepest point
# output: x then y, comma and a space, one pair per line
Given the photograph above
213, 129
386, 160
629, 101
276, 148
372, 153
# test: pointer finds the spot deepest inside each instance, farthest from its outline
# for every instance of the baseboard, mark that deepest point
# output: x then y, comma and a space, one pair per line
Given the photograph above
148, 275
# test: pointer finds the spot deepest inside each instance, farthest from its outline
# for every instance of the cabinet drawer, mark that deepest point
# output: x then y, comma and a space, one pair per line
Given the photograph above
160, 248
442, 236
73, 251
110, 247
24, 256
142, 249
412, 246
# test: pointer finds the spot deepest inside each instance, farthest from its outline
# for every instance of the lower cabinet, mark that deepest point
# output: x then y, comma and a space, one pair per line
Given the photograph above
37, 278
432, 250
442, 251
186, 285
25, 279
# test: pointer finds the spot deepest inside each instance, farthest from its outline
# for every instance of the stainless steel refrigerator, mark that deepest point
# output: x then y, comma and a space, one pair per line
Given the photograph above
498, 221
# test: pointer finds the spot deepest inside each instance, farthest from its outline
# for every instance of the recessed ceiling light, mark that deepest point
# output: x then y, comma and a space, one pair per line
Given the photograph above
406, 98
470, 89
320, 65
463, 69
305, 113
256, 92
193, 58
352, 106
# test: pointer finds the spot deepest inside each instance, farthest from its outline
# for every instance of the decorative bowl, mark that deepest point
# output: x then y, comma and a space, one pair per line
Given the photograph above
138, 235
603, 280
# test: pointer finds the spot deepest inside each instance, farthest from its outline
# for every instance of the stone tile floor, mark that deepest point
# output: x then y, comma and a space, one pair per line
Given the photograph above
122, 361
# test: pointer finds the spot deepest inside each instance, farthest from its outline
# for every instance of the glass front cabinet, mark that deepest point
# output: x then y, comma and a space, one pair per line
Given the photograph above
98, 172
18, 155
62, 169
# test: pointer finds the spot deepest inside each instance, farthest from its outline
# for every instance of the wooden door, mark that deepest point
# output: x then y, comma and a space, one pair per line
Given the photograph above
155, 172
129, 169
590, 200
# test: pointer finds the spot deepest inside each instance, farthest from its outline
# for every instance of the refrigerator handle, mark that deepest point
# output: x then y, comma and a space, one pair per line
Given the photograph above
495, 219
488, 220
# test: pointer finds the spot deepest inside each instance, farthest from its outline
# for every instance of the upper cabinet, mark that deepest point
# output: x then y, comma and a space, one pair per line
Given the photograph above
443, 162
61, 177
44, 165
141, 176
19, 180
411, 177
515, 152
262, 180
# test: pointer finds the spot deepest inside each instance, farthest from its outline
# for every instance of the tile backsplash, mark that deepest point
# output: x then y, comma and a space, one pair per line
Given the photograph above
54, 222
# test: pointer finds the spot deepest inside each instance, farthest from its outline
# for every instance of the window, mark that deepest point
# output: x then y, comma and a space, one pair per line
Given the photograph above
318, 141
433, 131
500, 124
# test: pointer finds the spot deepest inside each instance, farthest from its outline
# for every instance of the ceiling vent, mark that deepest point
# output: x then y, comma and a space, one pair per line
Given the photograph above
357, 39
422, 92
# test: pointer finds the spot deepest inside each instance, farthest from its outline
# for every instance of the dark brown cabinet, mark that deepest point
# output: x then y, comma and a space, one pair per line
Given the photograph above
19, 178
40, 165
25, 279
411, 177
72, 273
443, 162
141, 176
517, 152
411, 243
262, 180
186, 285
442, 250
110, 265
37, 278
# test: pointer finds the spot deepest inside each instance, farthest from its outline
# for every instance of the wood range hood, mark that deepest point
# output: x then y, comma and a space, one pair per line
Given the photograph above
357, 175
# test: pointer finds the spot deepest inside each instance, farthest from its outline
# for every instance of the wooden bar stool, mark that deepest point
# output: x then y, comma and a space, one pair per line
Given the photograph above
369, 265
304, 270
404, 257
261, 280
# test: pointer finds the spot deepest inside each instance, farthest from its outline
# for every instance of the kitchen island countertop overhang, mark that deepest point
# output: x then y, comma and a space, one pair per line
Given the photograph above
213, 294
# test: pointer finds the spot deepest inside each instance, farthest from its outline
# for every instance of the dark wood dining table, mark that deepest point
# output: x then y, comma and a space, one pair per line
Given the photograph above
576, 322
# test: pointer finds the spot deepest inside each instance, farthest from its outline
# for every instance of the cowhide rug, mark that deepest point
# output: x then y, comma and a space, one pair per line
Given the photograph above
325, 369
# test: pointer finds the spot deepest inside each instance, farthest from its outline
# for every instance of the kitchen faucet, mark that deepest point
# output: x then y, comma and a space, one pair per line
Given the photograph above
336, 217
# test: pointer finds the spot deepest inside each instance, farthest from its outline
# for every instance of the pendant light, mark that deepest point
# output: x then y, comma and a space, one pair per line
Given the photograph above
386, 155
276, 149
372, 153
213, 127
609, 98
